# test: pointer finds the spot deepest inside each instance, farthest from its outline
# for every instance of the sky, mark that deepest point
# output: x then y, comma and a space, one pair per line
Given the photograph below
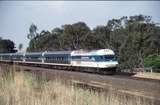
17, 16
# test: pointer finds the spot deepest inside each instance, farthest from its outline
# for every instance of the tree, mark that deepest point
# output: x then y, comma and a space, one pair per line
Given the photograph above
20, 46
152, 61
74, 35
133, 39
102, 37
7, 46
32, 31
32, 35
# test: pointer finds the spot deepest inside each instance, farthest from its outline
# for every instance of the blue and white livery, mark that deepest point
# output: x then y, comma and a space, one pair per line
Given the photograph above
97, 59
104, 58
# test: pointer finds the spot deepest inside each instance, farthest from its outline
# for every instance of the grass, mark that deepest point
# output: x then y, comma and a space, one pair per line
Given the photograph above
20, 88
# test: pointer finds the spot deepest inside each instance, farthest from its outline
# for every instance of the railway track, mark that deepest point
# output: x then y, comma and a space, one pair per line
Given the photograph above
125, 84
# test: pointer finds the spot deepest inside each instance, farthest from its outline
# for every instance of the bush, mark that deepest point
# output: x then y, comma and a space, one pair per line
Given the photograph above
152, 61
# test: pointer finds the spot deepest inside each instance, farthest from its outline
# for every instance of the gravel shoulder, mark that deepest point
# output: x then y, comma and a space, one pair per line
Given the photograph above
148, 75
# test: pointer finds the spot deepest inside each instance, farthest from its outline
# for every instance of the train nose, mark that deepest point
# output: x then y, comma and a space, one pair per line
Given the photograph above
116, 63
112, 64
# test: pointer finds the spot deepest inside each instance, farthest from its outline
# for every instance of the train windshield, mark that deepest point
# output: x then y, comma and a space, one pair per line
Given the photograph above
110, 57
105, 58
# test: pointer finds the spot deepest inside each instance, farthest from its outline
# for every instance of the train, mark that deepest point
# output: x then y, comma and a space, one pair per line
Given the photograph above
94, 61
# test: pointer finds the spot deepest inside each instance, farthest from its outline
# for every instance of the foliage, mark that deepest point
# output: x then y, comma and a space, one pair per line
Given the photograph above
7, 46
20, 46
152, 61
32, 32
132, 38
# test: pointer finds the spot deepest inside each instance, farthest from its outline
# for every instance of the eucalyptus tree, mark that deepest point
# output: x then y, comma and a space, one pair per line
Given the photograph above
102, 37
32, 37
32, 31
7, 46
20, 46
74, 35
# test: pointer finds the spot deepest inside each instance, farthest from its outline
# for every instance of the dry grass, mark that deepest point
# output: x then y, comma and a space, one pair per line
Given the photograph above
148, 75
25, 89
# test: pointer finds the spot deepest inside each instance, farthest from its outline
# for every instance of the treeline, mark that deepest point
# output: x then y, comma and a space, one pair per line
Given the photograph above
132, 38
7, 46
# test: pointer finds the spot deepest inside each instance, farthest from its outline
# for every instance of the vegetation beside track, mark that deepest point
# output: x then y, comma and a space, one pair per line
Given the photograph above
152, 61
21, 88
133, 39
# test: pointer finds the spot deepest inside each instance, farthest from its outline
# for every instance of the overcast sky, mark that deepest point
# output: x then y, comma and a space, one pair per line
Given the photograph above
17, 16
